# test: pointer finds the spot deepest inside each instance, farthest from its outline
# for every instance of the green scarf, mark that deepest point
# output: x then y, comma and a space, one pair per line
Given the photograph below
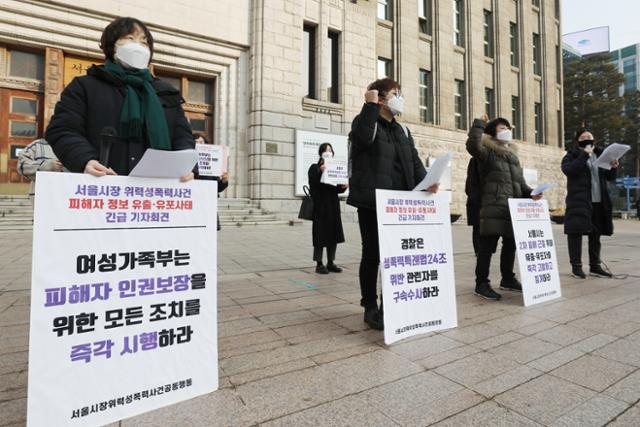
141, 108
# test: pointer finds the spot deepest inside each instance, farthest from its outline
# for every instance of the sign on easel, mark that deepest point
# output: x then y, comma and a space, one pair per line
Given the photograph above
536, 250
416, 262
123, 297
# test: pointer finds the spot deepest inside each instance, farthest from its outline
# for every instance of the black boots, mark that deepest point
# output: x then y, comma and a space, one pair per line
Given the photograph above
576, 271
511, 285
484, 290
597, 271
373, 318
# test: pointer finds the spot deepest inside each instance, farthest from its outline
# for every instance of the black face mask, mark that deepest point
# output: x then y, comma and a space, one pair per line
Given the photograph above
586, 142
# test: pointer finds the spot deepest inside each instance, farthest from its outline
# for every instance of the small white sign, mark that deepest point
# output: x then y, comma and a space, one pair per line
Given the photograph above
416, 262
335, 172
536, 250
212, 159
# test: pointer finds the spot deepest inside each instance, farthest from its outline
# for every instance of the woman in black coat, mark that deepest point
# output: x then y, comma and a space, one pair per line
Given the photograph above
383, 156
223, 181
105, 121
327, 223
588, 204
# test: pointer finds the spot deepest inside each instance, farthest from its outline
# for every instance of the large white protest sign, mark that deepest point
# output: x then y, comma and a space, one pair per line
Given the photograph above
123, 297
335, 172
536, 250
212, 159
307, 145
416, 259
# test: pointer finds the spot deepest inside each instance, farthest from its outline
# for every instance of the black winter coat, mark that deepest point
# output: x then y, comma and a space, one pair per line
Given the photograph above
372, 153
579, 210
501, 177
472, 189
93, 102
327, 223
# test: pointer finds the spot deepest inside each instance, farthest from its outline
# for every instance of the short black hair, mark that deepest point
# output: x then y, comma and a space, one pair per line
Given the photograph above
580, 132
323, 148
490, 128
119, 28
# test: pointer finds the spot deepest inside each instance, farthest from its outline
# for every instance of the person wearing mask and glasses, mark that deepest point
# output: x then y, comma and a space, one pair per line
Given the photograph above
588, 205
105, 121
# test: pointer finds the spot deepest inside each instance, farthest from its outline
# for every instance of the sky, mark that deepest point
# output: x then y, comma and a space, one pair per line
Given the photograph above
621, 16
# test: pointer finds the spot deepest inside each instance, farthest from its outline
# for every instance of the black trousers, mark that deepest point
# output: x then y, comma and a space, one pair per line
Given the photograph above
487, 247
331, 253
370, 260
575, 249
475, 238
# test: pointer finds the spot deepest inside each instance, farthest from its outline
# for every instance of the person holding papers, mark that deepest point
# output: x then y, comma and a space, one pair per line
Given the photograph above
588, 204
106, 120
223, 181
382, 155
501, 178
327, 224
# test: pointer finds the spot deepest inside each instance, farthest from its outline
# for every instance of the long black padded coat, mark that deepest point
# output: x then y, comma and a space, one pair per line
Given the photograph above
327, 223
579, 209
501, 177
93, 102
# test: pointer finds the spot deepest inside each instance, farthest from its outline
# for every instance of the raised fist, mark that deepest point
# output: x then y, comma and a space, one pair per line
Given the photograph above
371, 96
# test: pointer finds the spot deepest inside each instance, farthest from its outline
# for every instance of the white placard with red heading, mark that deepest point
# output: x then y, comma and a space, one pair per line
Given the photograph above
416, 263
536, 250
123, 297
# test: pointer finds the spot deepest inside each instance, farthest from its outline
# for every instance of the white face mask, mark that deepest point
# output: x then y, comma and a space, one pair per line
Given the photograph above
133, 55
504, 136
327, 155
396, 105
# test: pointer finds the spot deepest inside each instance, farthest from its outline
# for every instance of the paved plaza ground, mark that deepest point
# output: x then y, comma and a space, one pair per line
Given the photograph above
294, 351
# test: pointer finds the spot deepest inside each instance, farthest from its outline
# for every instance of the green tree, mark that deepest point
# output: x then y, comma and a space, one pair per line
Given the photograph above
629, 163
592, 99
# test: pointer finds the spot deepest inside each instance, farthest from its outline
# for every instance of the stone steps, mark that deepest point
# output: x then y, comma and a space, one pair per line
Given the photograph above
16, 213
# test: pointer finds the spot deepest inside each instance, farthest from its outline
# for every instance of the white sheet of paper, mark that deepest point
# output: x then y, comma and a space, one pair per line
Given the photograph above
165, 164
611, 153
542, 188
435, 172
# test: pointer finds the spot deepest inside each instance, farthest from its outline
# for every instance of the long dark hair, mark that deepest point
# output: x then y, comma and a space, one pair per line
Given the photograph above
323, 148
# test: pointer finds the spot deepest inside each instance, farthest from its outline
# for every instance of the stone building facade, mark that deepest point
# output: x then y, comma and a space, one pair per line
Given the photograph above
271, 67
